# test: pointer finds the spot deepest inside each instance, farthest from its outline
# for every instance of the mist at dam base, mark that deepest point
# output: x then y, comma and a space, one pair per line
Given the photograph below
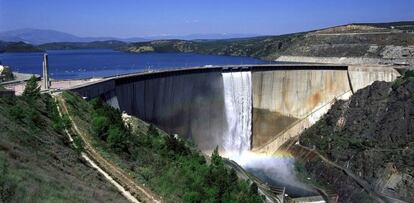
276, 170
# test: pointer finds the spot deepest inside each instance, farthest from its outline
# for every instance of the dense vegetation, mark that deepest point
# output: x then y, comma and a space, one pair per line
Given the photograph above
37, 163
170, 166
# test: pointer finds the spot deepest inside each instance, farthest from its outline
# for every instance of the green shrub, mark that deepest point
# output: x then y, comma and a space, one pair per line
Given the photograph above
35, 117
100, 126
61, 123
116, 138
398, 82
17, 113
408, 74
192, 197
79, 146
152, 131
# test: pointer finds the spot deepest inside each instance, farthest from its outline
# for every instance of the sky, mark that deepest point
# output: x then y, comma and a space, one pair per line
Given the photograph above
138, 18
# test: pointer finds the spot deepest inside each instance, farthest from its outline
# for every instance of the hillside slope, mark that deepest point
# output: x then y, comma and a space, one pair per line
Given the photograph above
166, 166
371, 136
9, 47
36, 162
109, 44
387, 43
369, 43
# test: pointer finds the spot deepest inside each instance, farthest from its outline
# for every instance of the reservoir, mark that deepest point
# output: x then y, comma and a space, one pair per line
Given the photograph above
87, 63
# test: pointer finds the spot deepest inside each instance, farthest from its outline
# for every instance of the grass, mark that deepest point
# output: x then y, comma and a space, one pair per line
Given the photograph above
42, 167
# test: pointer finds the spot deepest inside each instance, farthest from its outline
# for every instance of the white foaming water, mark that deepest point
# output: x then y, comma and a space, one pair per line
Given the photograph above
238, 105
237, 138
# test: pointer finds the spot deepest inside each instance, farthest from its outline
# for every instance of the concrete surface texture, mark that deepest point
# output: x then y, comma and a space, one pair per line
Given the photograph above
191, 105
286, 96
362, 76
295, 93
195, 104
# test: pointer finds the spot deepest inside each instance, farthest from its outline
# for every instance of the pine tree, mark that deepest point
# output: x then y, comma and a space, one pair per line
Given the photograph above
216, 159
254, 189
233, 177
32, 90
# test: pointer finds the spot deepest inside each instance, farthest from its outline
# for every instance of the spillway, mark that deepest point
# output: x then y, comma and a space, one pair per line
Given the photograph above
238, 110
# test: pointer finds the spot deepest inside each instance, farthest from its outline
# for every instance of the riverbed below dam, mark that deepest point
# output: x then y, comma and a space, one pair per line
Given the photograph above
247, 111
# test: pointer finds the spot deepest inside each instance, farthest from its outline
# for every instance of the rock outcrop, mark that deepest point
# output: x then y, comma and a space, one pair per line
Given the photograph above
372, 136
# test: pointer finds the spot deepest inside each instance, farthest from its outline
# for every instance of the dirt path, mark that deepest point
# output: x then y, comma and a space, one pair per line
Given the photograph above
131, 190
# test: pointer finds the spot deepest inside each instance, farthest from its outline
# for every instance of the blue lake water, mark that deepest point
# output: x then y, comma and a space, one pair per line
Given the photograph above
86, 63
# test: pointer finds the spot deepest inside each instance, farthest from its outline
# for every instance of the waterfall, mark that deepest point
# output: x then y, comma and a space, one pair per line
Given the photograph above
238, 107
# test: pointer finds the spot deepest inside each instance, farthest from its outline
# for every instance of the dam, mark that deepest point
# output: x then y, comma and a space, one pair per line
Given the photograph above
237, 108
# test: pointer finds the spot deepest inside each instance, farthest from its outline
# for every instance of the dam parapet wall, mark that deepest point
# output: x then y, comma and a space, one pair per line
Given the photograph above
271, 103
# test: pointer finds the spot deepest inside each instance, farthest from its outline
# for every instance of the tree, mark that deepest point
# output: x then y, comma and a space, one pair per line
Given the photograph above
152, 131
216, 159
233, 177
32, 90
254, 189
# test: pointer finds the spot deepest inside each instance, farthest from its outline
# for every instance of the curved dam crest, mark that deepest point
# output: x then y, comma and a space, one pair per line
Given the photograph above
237, 108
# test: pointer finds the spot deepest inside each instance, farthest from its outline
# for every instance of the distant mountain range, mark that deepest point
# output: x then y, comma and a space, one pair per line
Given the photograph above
391, 42
39, 36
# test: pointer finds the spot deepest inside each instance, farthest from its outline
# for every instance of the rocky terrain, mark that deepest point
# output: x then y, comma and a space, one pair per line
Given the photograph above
370, 43
370, 141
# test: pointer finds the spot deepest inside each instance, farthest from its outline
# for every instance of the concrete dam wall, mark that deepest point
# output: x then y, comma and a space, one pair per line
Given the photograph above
237, 108
286, 96
190, 104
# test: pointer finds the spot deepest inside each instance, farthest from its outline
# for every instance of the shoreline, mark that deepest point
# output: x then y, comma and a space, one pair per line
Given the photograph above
347, 60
